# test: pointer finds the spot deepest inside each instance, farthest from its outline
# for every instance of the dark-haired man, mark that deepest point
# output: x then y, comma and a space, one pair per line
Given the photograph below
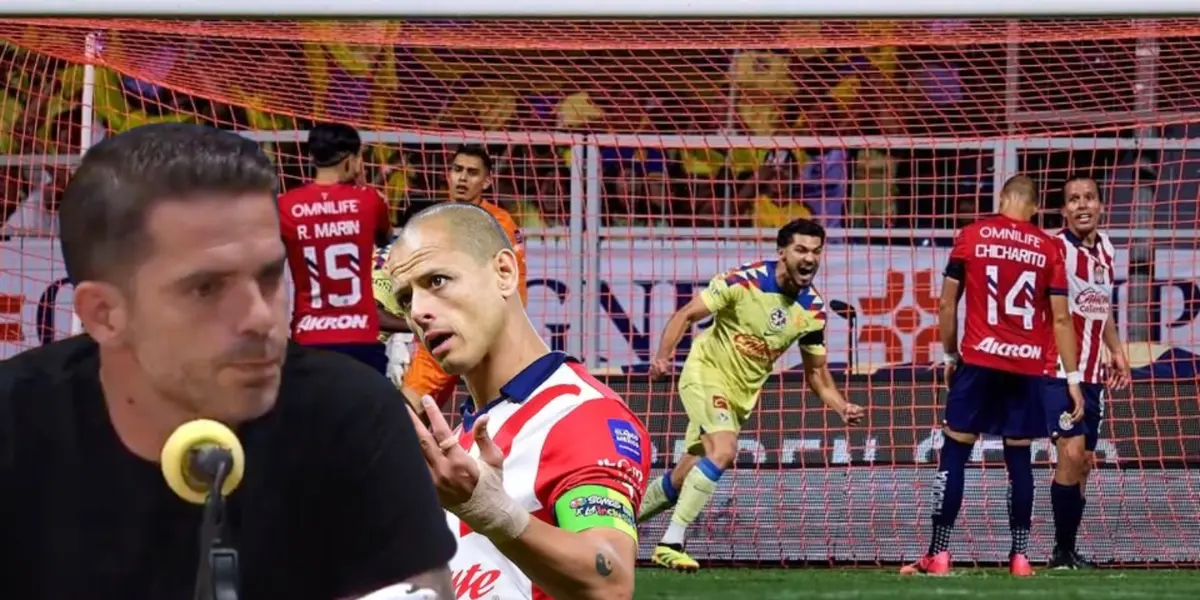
1089, 258
331, 227
469, 178
170, 235
759, 310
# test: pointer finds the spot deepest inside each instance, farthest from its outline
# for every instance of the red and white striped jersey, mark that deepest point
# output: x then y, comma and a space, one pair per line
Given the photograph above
559, 429
1089, 273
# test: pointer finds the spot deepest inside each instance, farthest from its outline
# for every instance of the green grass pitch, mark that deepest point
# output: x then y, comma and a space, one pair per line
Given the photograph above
881, 584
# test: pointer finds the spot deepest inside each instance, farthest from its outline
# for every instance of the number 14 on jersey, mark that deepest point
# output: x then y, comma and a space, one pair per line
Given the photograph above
1017, 300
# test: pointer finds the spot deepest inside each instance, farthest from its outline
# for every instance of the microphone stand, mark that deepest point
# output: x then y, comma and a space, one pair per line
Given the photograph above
217, 573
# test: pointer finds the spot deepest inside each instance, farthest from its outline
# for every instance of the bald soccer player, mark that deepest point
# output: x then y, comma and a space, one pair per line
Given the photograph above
470, 177
543, 479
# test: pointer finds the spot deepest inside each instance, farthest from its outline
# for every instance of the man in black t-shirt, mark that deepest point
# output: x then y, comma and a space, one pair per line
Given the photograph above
170, 234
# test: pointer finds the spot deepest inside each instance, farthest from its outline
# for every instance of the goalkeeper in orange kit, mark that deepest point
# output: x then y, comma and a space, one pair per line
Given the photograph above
470, 176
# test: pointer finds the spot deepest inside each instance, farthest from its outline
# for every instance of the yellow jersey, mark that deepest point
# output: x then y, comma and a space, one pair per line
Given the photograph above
381, 282
754, 323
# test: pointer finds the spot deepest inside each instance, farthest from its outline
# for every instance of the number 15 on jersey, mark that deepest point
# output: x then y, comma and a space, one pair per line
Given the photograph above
339, 262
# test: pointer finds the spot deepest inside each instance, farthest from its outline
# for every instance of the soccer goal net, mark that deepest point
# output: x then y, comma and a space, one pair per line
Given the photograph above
644, 157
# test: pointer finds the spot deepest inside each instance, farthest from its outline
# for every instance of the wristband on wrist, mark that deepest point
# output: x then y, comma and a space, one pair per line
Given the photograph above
490, 510
1074, 378
950, 359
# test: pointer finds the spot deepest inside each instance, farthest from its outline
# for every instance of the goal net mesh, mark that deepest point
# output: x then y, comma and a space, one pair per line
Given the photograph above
680, 147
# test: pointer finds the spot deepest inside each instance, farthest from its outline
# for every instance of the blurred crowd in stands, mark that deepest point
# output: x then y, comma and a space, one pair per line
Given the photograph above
945, 92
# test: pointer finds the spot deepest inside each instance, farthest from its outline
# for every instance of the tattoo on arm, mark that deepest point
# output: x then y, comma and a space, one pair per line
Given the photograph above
603, 567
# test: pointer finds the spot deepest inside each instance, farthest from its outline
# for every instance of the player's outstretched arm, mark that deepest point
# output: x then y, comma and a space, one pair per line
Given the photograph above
679, 324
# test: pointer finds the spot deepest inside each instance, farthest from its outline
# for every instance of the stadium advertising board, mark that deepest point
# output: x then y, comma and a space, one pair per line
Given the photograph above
1150, 424
890, 292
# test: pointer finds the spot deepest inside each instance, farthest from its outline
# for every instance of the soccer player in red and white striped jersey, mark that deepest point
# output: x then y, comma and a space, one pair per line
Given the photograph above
1088, 257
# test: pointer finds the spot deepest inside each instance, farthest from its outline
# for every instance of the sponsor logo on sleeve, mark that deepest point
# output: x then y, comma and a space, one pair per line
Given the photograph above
626, 439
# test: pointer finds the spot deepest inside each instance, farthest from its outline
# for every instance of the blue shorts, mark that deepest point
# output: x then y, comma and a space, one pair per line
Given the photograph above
373, 355
995, 402
1057, 403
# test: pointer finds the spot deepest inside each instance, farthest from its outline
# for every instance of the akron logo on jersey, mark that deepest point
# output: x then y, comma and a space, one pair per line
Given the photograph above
1064, 421
778, 319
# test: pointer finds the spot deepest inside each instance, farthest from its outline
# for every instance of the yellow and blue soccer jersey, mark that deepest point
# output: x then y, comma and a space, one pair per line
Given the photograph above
381, 281
754, 323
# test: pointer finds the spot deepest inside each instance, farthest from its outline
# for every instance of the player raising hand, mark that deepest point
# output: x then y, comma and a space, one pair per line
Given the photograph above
1011, 274
759, 310
543, 479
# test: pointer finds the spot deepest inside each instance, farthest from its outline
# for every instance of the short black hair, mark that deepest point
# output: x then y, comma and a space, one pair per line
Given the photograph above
102, 219
799, 227
331, 143
476, 151
1081, 176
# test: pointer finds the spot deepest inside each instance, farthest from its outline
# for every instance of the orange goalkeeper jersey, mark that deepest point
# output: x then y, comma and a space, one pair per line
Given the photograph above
424, 375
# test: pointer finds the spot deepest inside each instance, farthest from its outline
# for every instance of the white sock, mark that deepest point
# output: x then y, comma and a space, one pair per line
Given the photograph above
675, 533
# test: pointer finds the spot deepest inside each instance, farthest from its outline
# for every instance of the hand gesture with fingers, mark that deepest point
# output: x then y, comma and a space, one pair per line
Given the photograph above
455, 472
468, 486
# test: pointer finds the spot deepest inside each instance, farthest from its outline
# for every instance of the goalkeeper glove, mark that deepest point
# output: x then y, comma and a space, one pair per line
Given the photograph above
398, 357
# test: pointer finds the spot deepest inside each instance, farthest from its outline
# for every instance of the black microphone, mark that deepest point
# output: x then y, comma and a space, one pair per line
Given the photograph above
207, 464
203, 462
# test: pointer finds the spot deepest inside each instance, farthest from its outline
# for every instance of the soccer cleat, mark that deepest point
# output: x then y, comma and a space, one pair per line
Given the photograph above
676, 560
1018, 566
1081, 562
930, 564
1061, 560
